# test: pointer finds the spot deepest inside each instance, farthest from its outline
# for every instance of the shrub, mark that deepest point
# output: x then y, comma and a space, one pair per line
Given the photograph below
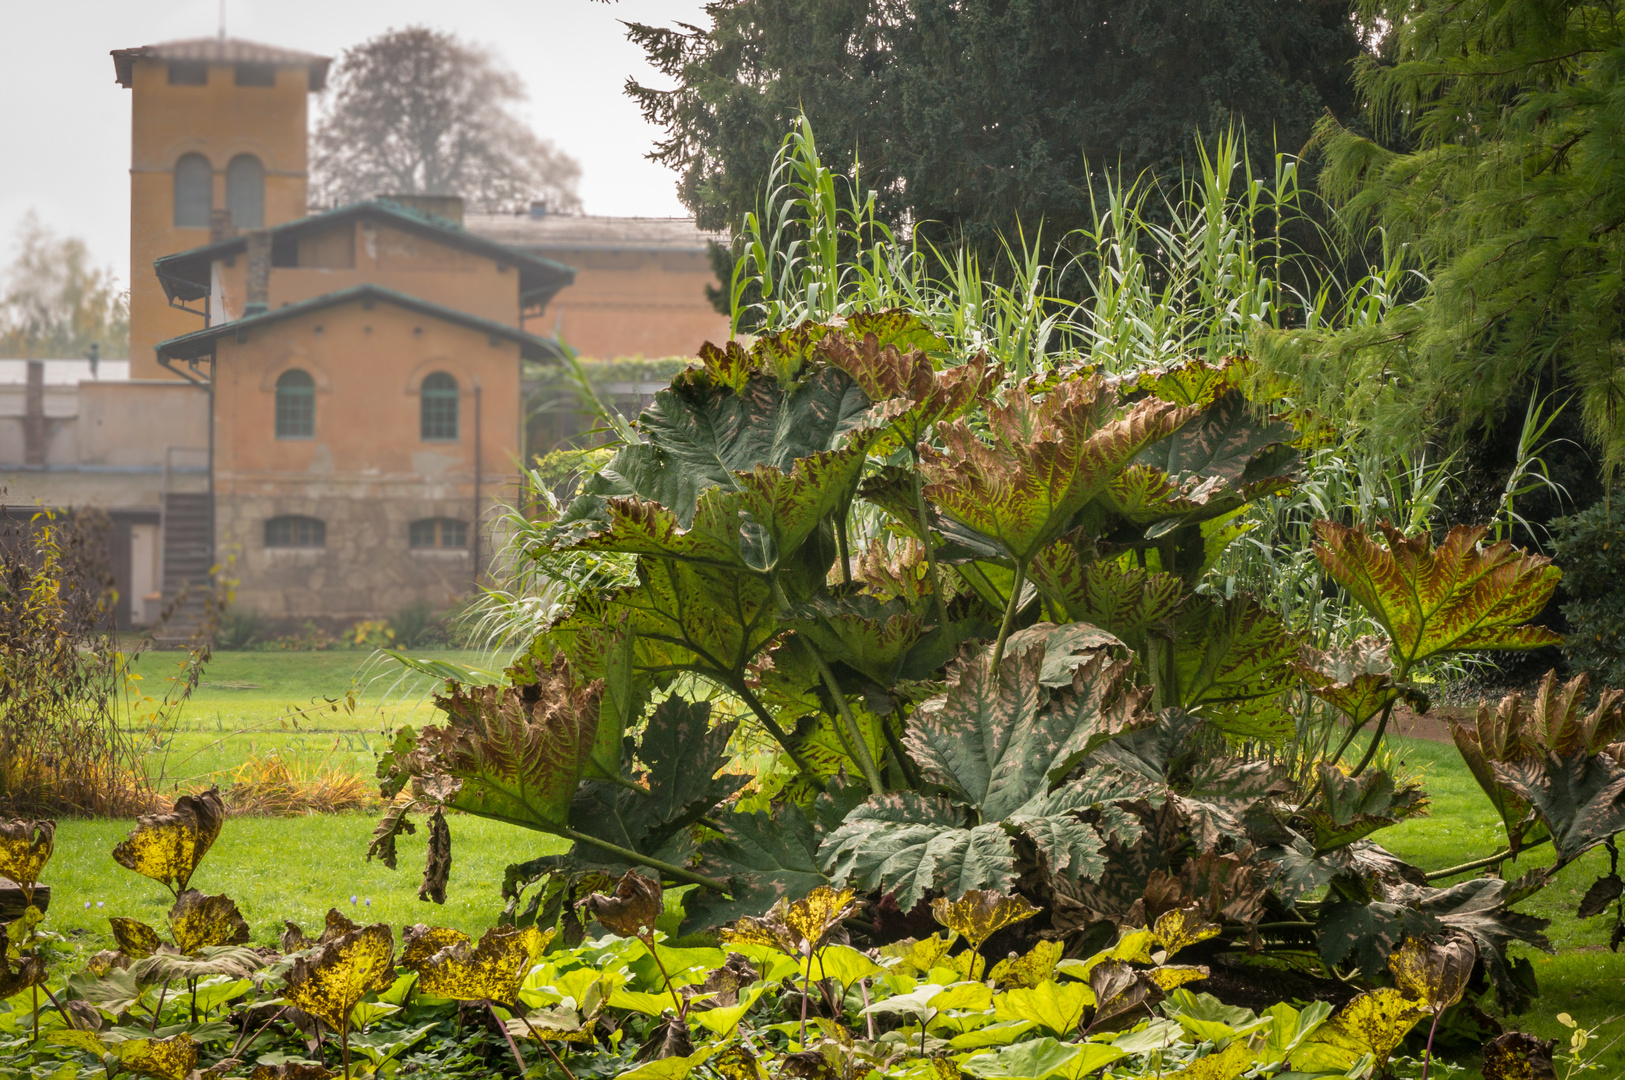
241, 628
1590, 546
417, 625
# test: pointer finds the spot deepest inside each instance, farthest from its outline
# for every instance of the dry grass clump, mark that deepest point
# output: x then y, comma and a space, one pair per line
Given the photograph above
272, 786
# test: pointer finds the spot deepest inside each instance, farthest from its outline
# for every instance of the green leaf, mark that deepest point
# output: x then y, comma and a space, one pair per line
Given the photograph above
1234, 659
764, 858
1056, 1006
1358, 680
701, 433
1124, 600
1457, 597
1207, 1019
1356, 807
866, 634
1041, 1058
445, 670
887, 843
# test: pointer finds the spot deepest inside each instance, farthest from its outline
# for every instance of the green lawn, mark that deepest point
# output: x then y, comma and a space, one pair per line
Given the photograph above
294, 703
297, 868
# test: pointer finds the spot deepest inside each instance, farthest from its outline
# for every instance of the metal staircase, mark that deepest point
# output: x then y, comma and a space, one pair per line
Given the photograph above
188, 530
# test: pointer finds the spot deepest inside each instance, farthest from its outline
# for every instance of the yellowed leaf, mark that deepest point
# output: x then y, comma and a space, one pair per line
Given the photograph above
199, 921
1176, 929
173, 1058
1030, 969
1373, 1023
492, 971
979, 914
168, 847
135, 939
328, 983
1227, 1064
811, 919
1169, 976
1434, 974
919, 956
25, 848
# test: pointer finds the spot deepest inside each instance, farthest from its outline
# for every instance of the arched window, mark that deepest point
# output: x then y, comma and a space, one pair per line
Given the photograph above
295, 405
439, 408
441, 533
245, 192
194, 192
294, 531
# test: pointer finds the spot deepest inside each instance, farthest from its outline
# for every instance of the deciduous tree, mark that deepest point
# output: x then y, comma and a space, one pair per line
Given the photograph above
54, 303
419, 111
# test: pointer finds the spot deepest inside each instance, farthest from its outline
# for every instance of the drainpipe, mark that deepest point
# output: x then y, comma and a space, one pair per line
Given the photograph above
34, 415
476, 525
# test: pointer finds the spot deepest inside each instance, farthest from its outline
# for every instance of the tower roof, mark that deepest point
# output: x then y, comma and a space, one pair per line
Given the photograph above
216, 50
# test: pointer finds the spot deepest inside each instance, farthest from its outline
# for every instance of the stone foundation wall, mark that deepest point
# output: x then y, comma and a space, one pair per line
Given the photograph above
367, 568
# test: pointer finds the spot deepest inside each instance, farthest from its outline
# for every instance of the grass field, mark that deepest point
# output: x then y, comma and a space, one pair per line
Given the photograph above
296, 868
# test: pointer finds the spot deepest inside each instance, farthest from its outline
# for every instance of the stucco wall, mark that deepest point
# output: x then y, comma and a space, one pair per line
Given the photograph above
633, 303
367, 473
219, 121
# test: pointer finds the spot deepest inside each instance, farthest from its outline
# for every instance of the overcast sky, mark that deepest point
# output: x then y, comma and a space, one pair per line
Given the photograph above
65, 124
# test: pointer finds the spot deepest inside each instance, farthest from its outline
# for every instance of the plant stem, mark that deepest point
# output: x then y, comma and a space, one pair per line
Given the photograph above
678, 872
554, 1055
66, 1016
1009, 613
506, 1034
931, 557
156, 1009
1427, 1054
868, 1017
649, 943
843, 544
904, 762
344, 1047
240, 1045
1376, 741
1479, 864
860, 747
780, 736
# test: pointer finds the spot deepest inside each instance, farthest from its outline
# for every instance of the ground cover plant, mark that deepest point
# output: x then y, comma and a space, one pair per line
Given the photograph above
783, 993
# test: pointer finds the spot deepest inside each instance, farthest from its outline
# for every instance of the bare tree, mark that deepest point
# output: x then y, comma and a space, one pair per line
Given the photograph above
54, 303
419, 111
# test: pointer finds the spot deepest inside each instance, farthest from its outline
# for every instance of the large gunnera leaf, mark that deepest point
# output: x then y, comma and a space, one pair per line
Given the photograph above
1358, 680
1125, 600
1580, 797
1000, 744
765, 858
911, 394
1047, 459
702, 432
1234, 660
1458, 597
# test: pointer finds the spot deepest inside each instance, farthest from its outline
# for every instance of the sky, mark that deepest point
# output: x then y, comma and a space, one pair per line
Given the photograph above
65, 123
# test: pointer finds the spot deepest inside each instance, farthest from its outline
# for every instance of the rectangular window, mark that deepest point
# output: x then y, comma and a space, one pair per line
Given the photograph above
439, 418
438, 533
188, 73
295, 532
256, 75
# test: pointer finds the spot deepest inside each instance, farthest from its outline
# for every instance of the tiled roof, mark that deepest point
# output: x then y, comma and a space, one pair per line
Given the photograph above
572, 232
201, 342
217, 50
185, 274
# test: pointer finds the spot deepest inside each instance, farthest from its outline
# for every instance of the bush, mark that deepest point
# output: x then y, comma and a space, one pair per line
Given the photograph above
1589, 548
417, 625
240, 628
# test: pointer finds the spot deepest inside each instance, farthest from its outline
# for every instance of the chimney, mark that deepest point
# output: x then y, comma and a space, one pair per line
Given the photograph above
221, 226
34, 415
448, 208
258, 287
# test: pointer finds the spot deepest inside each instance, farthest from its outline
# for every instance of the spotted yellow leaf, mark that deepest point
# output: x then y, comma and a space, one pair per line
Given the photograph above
173, 1058
919, 956
135, 938
977, 915
168, 847
492, 971
1029, 969
1434, 974
1169, 976
1227, 1064
328, 983
199, 921
1176, 929
1056, 1006
1373, 1023
25, 848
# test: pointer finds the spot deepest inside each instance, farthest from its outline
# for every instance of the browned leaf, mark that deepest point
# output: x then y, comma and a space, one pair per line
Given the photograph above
1517, 1055
1433, 973
632, 910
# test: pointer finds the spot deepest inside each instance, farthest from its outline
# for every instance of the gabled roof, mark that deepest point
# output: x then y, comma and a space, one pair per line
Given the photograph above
185, 274
582, 232
201, 342
215, 50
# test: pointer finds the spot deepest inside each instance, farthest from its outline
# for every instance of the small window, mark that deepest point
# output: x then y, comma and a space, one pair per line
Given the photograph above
256, 75
295, 405
194, 192
293, 531
245, 192
439, 408
188, 73
442, 533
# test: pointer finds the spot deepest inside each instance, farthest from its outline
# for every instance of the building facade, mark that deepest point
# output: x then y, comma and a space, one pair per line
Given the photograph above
329, 402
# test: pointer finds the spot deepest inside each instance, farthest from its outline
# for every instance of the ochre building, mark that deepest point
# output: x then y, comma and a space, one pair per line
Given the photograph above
327, 402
